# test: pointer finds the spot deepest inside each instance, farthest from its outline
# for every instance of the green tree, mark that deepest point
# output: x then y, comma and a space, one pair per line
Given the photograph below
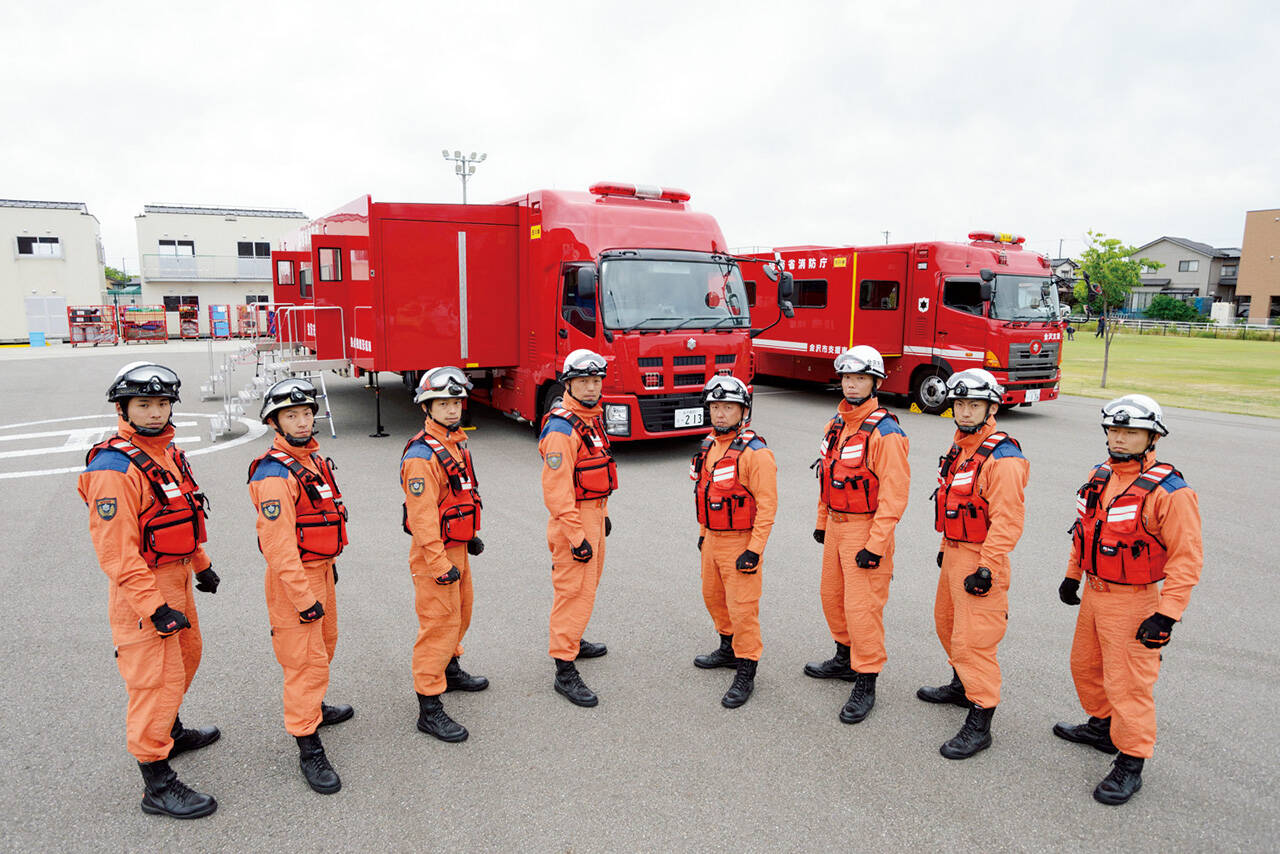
1165, 307
117, 275
1108, 272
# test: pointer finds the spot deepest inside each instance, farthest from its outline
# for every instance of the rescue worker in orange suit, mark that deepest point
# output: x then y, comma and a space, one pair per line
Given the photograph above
302, 528
578, 476
736, 494
979, 509
863, 479
146, 519
442, 514
1138, 524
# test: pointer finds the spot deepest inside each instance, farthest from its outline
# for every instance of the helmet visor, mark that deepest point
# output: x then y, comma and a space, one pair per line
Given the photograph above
726, 389
1120, 413
146, 380
972, 388
849, 364
590, 365
293, 391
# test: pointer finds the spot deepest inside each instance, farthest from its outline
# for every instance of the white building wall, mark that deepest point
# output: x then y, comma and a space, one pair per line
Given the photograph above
73, 277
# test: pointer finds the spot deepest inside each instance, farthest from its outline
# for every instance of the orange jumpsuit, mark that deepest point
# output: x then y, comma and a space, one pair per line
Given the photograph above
1115, 674
304, 650
853, 599
733, 597
971, 627
444, 610
570, 523
157, 671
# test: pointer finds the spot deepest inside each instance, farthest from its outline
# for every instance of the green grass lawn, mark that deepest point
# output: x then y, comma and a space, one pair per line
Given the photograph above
1198, 373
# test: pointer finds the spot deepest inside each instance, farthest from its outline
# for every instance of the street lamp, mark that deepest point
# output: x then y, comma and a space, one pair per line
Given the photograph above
464, 167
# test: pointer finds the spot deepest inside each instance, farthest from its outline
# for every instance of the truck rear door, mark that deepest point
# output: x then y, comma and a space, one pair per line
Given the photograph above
878, 312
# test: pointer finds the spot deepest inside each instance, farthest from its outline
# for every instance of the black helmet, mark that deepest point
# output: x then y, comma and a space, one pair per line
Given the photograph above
144, 379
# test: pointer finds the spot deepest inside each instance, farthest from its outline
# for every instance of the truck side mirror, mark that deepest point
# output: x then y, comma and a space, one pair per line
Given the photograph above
786, 288
984, 290
787, 310
987, 275
586, 282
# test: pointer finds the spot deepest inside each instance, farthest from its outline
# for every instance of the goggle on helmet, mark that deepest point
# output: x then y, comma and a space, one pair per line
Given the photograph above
442, 382
974, 384
287, 393
583, 363
144, 379
721, 389
1134, 410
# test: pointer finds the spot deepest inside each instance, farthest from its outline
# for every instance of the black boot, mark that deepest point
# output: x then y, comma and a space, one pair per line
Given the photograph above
587, 649
861, 699
974, 734
315, 765
330, 715
191, 739
1122, 783
457, 679
953, 693
569, 683
1096, 733
744, 682
836, 667
434, 720
722, 657
164, 794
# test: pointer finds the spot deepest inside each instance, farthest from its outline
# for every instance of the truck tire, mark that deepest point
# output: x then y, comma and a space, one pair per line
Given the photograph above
553, 393
929, 389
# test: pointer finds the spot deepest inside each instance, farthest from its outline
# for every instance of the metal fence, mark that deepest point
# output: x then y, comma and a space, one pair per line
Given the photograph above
1146, 326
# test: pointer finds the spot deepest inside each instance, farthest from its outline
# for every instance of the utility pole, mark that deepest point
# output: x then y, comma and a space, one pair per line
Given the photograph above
886, 237
464, 167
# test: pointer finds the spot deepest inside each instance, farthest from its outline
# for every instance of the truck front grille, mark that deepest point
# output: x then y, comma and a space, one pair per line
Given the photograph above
1020, 357
689, 379
658, 413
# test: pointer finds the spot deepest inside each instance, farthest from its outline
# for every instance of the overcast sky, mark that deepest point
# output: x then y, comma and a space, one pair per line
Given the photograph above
791, 122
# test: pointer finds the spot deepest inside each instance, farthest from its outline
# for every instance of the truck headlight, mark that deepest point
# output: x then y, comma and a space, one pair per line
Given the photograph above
617, 419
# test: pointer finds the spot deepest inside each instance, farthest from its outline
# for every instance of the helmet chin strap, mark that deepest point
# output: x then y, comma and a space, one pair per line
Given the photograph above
858, 401
149, 432
976, 427
1120, 457
448, 428
580, 400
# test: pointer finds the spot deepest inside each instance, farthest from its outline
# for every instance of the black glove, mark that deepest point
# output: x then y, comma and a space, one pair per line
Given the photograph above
475, 546
207, 581
312, 614
608, 526
819, 535
866, 559
449, 577
1155, 630
335, 575
979, 582
700, 539
748, 561
1069, 591
169, 621
582, 553
939, 560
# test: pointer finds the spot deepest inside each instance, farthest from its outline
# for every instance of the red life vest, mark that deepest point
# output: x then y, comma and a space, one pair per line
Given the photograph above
595, 473
960, 513
1113, 541
845, 482
460, 505
320, 516
172, 526
723, 502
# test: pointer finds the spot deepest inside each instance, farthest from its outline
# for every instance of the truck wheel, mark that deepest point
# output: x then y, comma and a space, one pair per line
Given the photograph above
550, 397
929, 390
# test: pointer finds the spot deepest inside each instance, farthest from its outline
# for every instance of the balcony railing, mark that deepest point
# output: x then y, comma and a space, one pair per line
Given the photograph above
206, 268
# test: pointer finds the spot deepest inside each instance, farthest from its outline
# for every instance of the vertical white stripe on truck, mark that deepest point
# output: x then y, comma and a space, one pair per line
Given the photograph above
462, 293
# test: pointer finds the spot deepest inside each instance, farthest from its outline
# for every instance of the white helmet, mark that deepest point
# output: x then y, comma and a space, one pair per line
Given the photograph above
726, 389
974, 384
861, 360
144, 379
442, 383
583, 363
1134, 410
286, 393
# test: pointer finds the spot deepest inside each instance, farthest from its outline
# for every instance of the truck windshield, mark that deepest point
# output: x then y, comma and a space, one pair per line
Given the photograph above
1024, 298
649, 293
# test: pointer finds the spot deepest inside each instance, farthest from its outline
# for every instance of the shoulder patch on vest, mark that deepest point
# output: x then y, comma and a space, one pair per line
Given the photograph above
554, 460
1007, 449
756, 444
270, 467
556, 424
417, 485
1173, 483
271, 510
418, 451
888, 427
106, 508
109, 459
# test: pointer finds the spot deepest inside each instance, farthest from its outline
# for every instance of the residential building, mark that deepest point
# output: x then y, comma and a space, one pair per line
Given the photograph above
1258, 293
202, 256
1067, 270
1190, 270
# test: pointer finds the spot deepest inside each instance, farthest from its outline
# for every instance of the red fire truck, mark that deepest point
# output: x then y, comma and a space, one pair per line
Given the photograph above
506, 290
931, 308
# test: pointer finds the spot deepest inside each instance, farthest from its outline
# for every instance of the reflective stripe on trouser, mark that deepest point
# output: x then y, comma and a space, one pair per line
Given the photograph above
853, 599
1115, 674
970, 627
575, 584
732, 597
157, 671
444, 614
304, 650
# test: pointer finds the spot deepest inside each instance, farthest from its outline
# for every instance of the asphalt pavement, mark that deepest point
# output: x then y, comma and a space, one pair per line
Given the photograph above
659, 764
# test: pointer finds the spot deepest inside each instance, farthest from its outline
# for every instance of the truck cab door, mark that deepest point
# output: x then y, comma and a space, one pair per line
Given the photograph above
578, 324
961, 334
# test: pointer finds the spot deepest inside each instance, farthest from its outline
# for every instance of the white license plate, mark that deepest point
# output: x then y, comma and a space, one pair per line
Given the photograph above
689, 417
1033, 395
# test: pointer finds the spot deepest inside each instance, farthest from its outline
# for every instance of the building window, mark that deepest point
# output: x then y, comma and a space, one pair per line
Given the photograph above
1147, 271
963, 296
330, 265
172, 303
1188, 266
1275, 308
250, 299
39, 247
878, 296
177, 247
811, 293
1228, 271
249, 249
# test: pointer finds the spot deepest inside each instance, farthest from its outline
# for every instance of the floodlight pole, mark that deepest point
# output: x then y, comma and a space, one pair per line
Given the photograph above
465, 166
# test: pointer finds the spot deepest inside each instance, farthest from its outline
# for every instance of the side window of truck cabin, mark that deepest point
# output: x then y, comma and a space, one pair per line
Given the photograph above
963, 296
811, 293
877, 296
330, 265
304, 279
751, 292
579, 311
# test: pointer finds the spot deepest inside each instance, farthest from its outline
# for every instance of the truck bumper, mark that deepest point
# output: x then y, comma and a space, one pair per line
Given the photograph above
1028, 393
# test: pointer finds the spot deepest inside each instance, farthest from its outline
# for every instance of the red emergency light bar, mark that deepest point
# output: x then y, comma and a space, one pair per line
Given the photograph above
996, 237
639, 191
